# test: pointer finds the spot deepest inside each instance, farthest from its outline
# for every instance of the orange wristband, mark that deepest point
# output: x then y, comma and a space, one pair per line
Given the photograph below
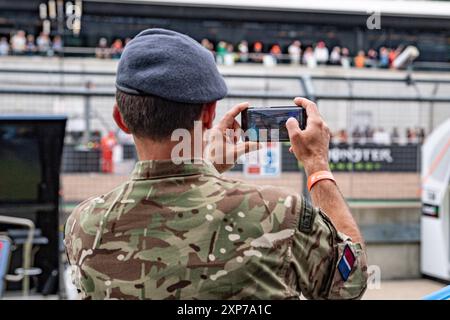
319, 175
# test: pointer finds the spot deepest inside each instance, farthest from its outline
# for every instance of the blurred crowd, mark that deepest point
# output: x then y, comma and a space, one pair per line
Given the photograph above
21, 43
113, 51
379, 136
296, 54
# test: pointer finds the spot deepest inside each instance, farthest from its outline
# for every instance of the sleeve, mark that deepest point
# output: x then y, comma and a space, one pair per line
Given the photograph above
69, 226
72, 244
328, 265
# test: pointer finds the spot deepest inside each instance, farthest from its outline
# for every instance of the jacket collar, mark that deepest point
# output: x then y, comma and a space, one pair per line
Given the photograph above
154, 169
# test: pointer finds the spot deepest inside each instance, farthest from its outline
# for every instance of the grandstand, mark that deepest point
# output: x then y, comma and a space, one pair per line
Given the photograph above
425, 24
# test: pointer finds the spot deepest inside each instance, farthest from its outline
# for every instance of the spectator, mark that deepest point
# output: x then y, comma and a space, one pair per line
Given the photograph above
384, 58
4, 47
368, 134
276, 53
221, 51
257, 49
372, 57
381, 137
345, 58
18, 43
360, 59
309, 58
30, 47
395, 53
392, 55
356, 135
43, 44
57, 45
243, 51
321, 53
207, 44
102, 50
116, 49
411, 135
395, 136
408, 135
420, 134
295, 52
230, 57
335, 56
107, 144
342, 136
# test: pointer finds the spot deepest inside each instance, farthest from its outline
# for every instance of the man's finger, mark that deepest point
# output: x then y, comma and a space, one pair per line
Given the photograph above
228, 119
310, 107
236, 110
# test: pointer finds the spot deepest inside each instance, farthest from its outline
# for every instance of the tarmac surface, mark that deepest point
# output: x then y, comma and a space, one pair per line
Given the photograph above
414, 289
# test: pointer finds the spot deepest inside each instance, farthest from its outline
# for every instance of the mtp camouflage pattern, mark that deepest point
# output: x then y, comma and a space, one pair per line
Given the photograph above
186, 232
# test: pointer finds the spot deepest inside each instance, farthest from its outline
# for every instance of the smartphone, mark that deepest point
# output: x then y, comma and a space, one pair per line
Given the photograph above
269, 123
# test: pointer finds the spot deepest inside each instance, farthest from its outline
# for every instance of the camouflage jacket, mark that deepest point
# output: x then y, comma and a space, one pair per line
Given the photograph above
186, 232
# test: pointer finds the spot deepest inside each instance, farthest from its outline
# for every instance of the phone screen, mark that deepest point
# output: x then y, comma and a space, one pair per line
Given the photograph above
269, 124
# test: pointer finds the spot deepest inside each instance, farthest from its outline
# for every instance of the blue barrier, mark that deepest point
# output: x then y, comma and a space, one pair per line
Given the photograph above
5, 247
443, 294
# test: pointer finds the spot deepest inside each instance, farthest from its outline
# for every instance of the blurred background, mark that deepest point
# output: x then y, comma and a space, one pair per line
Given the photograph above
378, 70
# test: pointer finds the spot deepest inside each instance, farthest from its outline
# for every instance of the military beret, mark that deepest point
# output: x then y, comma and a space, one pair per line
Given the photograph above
169, 65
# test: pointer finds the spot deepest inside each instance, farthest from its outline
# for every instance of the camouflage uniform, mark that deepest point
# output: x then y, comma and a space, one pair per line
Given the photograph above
185, 232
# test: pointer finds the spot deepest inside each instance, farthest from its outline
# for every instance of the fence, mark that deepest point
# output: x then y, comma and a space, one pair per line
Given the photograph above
371, 153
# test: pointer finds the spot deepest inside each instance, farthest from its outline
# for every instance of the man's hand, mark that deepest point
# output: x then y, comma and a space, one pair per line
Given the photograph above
310, 146
223, 146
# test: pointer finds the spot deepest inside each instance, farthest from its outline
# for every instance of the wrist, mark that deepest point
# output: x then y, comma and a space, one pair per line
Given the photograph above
315, 166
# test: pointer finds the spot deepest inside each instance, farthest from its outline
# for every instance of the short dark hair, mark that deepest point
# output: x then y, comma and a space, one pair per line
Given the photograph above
154, 117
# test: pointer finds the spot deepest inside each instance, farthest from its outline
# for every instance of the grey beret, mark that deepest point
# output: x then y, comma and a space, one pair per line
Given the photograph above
169, 65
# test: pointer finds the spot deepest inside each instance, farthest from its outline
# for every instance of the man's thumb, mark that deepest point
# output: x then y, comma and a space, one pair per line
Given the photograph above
292, 124
293, 128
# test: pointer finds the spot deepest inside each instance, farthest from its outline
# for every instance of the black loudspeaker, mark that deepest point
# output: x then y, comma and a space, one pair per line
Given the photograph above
30, 159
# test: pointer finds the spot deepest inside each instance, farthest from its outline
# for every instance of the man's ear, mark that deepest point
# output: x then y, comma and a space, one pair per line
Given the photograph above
208, 114
119, 120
